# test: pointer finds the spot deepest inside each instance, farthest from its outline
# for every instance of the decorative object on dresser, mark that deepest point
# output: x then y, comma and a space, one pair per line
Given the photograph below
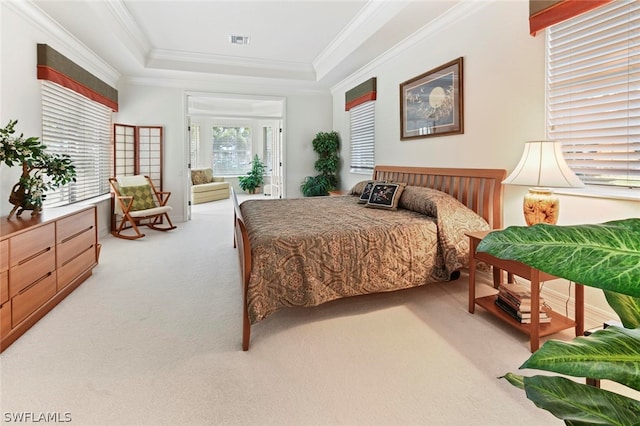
29, 192
605, 256
293, 252
542, 167
42, 260
138, 203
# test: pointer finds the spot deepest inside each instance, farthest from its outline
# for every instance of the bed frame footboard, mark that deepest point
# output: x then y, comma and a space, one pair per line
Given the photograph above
241, 242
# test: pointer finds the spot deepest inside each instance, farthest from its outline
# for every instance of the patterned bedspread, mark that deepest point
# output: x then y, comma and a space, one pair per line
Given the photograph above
309, 251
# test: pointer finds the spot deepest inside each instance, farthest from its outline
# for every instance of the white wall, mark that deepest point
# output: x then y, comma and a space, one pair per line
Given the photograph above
140, 103
503, 86
504, 106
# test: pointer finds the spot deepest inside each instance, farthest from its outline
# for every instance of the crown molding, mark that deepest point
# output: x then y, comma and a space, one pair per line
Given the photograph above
130, 33
223, 83
439, 25
369, 20
64, 41
208, 63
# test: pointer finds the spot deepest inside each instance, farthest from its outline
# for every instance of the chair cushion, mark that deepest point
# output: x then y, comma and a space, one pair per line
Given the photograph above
213, 186
142, 196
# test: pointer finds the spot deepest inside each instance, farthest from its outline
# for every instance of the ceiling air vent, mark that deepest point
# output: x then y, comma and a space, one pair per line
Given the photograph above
235, 39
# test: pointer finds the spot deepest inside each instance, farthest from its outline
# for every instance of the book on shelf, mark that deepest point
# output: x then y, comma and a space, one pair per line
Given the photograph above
517, 295
522, 317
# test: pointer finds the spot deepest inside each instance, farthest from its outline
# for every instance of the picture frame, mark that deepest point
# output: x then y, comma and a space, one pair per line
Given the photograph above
431, 104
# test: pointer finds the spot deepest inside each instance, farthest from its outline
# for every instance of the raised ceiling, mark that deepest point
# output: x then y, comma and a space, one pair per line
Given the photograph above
312, 43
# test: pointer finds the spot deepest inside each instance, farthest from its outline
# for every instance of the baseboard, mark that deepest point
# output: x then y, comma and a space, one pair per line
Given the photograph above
561, 303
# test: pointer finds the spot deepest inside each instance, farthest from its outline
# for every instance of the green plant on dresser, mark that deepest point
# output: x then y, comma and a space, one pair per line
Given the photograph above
41, 171
326, 145
605, 256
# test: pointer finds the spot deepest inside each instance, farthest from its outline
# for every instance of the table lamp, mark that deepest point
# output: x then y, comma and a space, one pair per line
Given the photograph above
542, 167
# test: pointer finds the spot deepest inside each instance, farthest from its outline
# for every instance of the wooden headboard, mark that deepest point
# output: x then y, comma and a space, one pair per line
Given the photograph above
478, 189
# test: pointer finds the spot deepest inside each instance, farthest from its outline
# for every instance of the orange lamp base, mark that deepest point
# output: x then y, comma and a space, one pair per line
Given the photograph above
541, 205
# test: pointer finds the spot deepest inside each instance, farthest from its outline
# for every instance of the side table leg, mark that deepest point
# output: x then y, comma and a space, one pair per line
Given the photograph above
473, 245
472, 285
579, 309
534, 336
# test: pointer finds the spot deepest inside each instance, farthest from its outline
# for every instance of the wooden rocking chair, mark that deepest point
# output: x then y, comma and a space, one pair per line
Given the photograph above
139, 204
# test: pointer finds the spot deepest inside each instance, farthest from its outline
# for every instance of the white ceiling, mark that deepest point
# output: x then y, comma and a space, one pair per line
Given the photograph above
315, 43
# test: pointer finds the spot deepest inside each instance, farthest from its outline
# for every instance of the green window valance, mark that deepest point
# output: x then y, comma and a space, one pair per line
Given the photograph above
55, 67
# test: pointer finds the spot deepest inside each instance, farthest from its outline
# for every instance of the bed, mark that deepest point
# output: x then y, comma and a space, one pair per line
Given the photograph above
309, 251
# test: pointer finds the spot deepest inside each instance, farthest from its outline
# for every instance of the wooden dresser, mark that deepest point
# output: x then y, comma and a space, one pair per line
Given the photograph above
42, 260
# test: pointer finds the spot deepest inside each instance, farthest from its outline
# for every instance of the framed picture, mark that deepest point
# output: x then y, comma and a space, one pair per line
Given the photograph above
431, 103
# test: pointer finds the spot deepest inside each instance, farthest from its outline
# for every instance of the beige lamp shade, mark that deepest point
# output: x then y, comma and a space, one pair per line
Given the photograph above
542, 167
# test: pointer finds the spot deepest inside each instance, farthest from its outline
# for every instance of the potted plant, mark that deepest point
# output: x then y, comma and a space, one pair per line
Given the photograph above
41, 171
605, 256
254, 178
326, 145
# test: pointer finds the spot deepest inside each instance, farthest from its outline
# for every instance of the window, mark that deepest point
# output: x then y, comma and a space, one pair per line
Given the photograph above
593, 96
232, 152
75, 125
363, 138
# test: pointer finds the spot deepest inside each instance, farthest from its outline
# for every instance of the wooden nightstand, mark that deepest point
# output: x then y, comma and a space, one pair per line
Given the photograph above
535, 330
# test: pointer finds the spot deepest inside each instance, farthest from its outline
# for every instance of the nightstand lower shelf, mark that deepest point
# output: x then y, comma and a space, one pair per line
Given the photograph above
535, 277
558, 322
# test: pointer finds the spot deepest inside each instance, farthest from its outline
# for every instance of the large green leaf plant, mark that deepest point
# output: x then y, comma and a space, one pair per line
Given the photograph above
606, 256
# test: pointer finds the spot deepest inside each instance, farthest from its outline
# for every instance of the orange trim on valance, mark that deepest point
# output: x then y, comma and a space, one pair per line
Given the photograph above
57, 68
46, 73
371, 96
559, 11
360, 94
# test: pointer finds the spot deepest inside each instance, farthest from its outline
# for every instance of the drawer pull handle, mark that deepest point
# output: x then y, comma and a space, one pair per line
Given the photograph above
92, 246
45, 276
89, 228
33, 256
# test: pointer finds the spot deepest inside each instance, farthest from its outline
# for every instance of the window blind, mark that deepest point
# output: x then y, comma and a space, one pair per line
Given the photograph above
593, 93
81, 128
363, 138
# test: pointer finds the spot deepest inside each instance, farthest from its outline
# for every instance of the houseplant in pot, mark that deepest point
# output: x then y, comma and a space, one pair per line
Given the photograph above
41, 171
254, 178
326, 145
605, 256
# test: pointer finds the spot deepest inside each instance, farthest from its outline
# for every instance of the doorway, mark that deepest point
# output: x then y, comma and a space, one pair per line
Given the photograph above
257, 119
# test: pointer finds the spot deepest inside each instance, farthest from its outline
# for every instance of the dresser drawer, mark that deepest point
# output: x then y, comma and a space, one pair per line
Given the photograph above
26, 273
4, 255
31, 298
4, 287
5, 319
76, 266
23, 246
70, 226
74, 246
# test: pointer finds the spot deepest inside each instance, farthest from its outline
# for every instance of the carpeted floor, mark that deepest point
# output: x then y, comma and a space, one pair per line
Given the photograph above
153, 338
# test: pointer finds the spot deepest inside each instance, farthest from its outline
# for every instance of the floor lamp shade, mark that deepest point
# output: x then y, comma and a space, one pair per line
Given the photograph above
542, 167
